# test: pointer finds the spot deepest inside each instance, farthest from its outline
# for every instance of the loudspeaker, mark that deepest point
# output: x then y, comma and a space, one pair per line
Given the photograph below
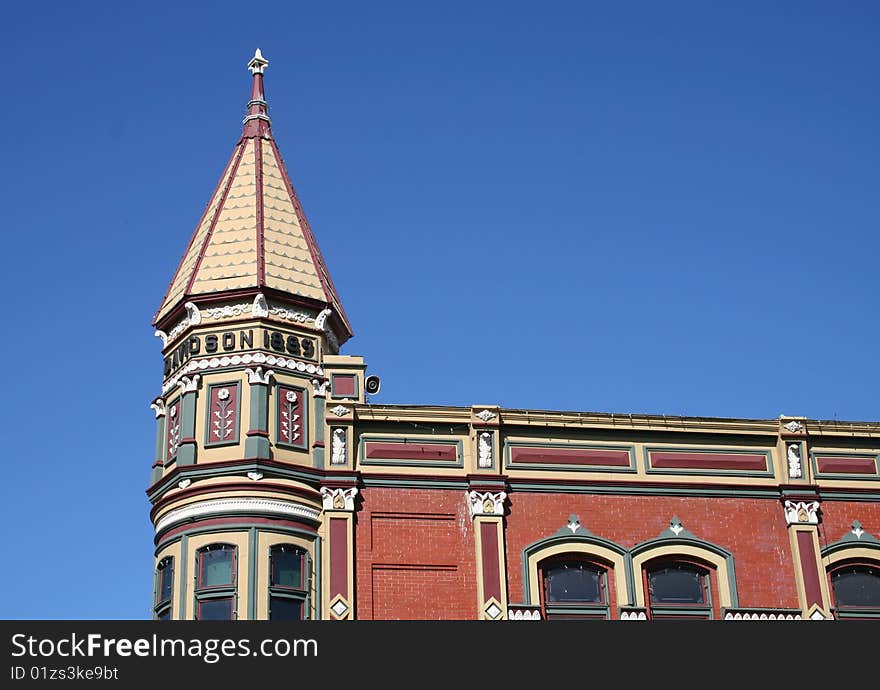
371, 385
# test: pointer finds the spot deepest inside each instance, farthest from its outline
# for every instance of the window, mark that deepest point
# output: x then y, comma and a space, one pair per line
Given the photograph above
164, 588
678, 589
287, 582
856, 587
215, 583
574, 587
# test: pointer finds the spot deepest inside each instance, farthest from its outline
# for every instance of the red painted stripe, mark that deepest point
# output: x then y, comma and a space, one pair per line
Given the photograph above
338, 557
491, 570
411, 451
195, 232
243, 519
709, 461
323, 273
809, 569
570, 456
258, 174
217, 212
841, 465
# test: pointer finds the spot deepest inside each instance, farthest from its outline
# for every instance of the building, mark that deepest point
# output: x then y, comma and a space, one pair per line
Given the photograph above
278, 492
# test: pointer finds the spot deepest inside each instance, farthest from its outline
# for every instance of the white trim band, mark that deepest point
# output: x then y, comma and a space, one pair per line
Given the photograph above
244, 504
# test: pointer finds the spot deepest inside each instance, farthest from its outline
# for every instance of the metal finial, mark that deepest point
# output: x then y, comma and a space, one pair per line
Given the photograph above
258, 63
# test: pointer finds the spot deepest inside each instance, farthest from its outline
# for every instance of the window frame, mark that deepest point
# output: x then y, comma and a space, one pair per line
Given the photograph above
665, 611
301, 594
849, 612
163, 606
204, 593
583, 610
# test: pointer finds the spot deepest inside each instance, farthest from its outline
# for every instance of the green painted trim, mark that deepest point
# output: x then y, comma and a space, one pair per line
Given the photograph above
551, 609
206, 471
770, 492
237, 434
160, 439
415, 482
184, 544
252, 573
319, 589
357, 384
850, 544
858, 615
875, 477
699, 543
237, 527
768, 455
847, 496
424, 440
555, 540
318, 454
550, 467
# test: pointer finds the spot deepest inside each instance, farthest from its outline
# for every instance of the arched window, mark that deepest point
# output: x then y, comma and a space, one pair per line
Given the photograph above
215, 582
677, 588
574, 587
288, 582
856, 588
164, 589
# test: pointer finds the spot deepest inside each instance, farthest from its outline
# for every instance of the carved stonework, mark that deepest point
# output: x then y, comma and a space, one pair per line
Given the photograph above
259, 375
320, 388
338, 499
793, 426
236, 360
255, 476
337, 451
290, 315
484, 450
802, 512
340, 410
158, 406
163, 335
173, 439
486, 415
189, 384
260, 307
289, 417
486, 503
321, 318
193, 314
228, 311
794, 461
183, 483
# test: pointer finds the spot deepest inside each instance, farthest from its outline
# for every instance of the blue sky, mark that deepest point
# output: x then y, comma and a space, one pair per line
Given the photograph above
667, 208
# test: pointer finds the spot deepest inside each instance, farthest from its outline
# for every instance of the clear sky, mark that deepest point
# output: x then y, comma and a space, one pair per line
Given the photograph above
642, 207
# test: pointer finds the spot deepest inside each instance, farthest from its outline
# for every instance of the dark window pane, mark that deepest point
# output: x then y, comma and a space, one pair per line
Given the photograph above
215, 609
574, 582
857, 585
677, 584
283, 609
287, 568
216, 567
166, 580
164, 615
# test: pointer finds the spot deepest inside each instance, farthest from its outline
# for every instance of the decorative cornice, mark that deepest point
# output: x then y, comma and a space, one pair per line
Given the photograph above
259, 375
193, 315
486, 502
793, 426
338, 498
241, 504
802, 512
290, 315
236, 360
158, 406
524, 614
259, 307
486, 415
758, 615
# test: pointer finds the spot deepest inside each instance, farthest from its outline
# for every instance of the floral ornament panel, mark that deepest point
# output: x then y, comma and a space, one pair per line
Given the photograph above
223, 414
173, 428
291, 417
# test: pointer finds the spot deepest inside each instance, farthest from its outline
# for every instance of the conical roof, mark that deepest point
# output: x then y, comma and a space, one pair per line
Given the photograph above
254, 233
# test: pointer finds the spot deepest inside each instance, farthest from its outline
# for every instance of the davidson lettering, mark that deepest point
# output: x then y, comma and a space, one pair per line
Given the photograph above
231, 341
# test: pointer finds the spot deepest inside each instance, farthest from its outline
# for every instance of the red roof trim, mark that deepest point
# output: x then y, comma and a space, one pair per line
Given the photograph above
258, 174
323, 274
220, 206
